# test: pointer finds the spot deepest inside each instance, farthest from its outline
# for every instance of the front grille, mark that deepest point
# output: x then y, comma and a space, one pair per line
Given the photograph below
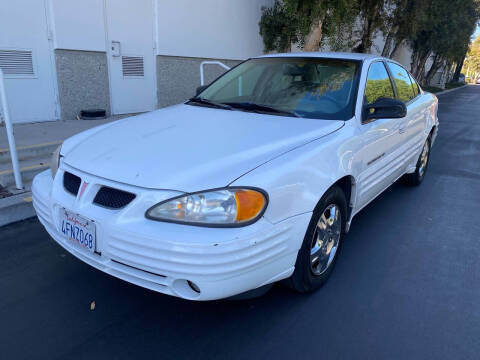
71, 183
113, 198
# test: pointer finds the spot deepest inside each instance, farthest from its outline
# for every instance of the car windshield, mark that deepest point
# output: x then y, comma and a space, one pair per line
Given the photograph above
317, 88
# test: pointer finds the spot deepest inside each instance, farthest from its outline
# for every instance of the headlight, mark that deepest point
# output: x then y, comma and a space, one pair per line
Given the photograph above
55, 161
227, 207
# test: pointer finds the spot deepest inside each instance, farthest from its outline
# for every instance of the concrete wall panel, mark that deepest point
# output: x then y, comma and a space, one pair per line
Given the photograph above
210, 28
179, 77
82, 81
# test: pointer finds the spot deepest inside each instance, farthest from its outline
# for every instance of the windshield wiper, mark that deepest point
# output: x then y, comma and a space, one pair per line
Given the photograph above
248, 106
202, 101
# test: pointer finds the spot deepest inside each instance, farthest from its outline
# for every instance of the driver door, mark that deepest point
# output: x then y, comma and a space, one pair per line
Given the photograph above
379, 158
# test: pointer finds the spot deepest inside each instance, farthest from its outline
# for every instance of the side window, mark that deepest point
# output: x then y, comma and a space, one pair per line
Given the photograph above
416, 90
402, 82
378, 83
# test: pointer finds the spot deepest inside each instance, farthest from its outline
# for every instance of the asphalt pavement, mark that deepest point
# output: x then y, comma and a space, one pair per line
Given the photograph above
406, 285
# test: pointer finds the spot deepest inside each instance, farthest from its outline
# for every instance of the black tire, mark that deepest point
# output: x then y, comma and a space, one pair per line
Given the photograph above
416, 178
303, 279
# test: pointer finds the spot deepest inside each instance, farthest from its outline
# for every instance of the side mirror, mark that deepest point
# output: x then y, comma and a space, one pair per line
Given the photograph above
385, 108
201, 88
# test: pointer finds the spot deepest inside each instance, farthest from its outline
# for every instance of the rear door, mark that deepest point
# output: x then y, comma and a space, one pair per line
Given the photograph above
378, 158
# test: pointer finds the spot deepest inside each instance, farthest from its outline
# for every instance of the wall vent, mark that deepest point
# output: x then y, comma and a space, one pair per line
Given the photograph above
16, 62
132, 65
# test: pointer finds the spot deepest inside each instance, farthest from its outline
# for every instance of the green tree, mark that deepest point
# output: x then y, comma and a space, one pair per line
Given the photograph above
403, 19
438, 29
304, 22
372, 17
278, 28
471, 66
443, 32
452, 49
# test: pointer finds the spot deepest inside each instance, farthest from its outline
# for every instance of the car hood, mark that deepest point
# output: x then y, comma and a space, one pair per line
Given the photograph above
189, 148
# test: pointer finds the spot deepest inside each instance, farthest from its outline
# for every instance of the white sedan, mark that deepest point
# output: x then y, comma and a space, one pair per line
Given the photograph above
254, 180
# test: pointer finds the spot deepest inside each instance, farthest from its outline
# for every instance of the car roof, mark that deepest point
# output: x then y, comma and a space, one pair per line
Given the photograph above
331, 55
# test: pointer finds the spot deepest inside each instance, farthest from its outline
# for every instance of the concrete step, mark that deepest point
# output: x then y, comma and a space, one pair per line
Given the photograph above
15, 208
28, 168
30, 152
45, 159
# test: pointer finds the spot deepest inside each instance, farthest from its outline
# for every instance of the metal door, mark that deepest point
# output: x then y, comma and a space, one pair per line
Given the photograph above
130, 44
26, 58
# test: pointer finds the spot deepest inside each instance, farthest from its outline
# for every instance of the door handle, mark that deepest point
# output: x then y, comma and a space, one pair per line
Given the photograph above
401, 130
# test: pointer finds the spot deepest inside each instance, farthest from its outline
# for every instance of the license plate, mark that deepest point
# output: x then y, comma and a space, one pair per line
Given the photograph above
78, 229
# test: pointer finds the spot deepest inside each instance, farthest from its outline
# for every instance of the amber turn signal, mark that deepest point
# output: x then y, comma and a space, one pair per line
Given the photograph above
249, 204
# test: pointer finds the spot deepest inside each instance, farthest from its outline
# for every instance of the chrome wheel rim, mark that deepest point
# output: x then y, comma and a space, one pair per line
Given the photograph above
424, 159
326, 239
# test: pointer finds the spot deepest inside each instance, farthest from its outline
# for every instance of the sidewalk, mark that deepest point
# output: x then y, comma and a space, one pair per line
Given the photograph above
450, 90
35, 142
48, 131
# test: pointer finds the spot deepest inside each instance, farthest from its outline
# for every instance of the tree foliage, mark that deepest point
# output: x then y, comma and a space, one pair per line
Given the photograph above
471, 65
438, 29
304, 22
443, 31
278, 28
372, 15
402, 23
308, 23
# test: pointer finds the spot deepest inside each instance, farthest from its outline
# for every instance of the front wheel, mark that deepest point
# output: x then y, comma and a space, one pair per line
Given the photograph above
317, 256
416, 178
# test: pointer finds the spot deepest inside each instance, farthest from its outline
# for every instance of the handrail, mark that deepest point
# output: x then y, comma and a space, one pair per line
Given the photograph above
11, 138
202, 79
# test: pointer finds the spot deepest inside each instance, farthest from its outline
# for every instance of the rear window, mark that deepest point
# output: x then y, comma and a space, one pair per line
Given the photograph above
402, 82
416, 88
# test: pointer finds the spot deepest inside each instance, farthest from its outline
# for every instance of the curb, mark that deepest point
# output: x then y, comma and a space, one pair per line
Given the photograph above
15, 208
449, 90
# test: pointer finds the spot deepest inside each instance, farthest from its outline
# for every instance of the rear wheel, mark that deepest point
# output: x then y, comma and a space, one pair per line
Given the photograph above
317, 256
416, 178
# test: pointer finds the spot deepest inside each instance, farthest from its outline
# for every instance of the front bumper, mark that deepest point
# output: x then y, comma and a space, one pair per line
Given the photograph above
164, 257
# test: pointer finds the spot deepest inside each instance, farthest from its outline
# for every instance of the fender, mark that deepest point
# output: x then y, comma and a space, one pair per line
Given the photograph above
297, 180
